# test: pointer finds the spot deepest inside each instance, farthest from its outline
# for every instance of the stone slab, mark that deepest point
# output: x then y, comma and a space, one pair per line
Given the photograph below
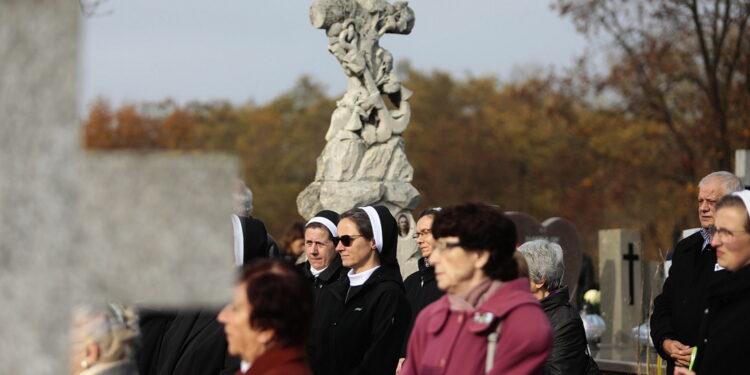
38, 140
78, 227
617, 310
159, 224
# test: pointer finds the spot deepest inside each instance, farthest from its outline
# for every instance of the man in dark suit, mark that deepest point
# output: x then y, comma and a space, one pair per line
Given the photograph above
678, 310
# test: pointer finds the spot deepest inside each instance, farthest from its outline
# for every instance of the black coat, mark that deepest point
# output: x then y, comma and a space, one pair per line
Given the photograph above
421, 290
724, 329
679, 308
568, 356
184, 342
361, 335
331, 274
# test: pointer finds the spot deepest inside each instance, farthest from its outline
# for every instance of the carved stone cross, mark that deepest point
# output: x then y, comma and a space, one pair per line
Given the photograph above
354, 28
364, 161
631, 257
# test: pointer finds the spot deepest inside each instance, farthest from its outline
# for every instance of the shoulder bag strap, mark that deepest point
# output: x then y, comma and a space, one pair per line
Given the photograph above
492, 348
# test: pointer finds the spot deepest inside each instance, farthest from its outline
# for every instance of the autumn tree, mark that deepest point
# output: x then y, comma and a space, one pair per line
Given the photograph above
533, 145
178, 130
682, 64
97, 129
279, 144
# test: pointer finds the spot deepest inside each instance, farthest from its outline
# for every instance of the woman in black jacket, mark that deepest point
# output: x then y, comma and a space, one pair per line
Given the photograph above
724, 329
421, 287
360, 320
546, 270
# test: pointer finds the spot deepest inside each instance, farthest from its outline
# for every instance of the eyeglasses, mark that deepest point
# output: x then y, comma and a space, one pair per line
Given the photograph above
423, 233
347, 239
724, 235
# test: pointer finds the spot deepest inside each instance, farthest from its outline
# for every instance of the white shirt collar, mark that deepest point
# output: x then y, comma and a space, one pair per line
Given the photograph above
315, 272
706, 238
244, 366
360, 278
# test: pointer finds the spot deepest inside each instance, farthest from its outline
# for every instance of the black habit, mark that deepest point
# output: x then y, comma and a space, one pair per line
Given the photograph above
184, 342
361, 334
333, 272
189, 341
360, 330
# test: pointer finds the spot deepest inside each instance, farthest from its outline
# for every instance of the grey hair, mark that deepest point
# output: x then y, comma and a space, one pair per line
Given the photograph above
243, 199
545, 260
728, 181
113, 327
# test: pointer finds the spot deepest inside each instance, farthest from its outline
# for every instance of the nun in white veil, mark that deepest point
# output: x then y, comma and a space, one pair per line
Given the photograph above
360, 320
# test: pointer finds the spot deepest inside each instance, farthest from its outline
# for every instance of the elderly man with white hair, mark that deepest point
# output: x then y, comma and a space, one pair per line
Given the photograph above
684, 297
546, 270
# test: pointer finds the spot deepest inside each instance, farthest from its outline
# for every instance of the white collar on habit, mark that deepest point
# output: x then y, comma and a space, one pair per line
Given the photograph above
357, 279
238, 240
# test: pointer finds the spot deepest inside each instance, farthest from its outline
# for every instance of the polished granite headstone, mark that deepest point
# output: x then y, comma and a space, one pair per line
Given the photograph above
558, 230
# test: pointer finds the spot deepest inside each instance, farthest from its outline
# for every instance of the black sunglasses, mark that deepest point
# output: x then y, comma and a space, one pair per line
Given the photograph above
346, 240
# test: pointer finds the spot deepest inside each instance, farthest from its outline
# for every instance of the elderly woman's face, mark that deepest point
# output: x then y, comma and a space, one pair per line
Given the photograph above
243, 340
457, 270
319, 247
731, 241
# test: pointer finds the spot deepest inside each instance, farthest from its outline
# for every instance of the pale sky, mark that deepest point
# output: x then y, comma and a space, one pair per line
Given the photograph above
147, 50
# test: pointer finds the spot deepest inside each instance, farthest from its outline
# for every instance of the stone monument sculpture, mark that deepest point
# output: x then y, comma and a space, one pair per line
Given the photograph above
363, 161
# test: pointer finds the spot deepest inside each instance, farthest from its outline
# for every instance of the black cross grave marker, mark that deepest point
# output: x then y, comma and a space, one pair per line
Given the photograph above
631, 257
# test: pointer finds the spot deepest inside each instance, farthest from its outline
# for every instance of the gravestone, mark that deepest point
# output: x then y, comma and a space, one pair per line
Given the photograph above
742, 166
155, 228
38, 89
364, 161
621, 281
89, 227
557, 230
